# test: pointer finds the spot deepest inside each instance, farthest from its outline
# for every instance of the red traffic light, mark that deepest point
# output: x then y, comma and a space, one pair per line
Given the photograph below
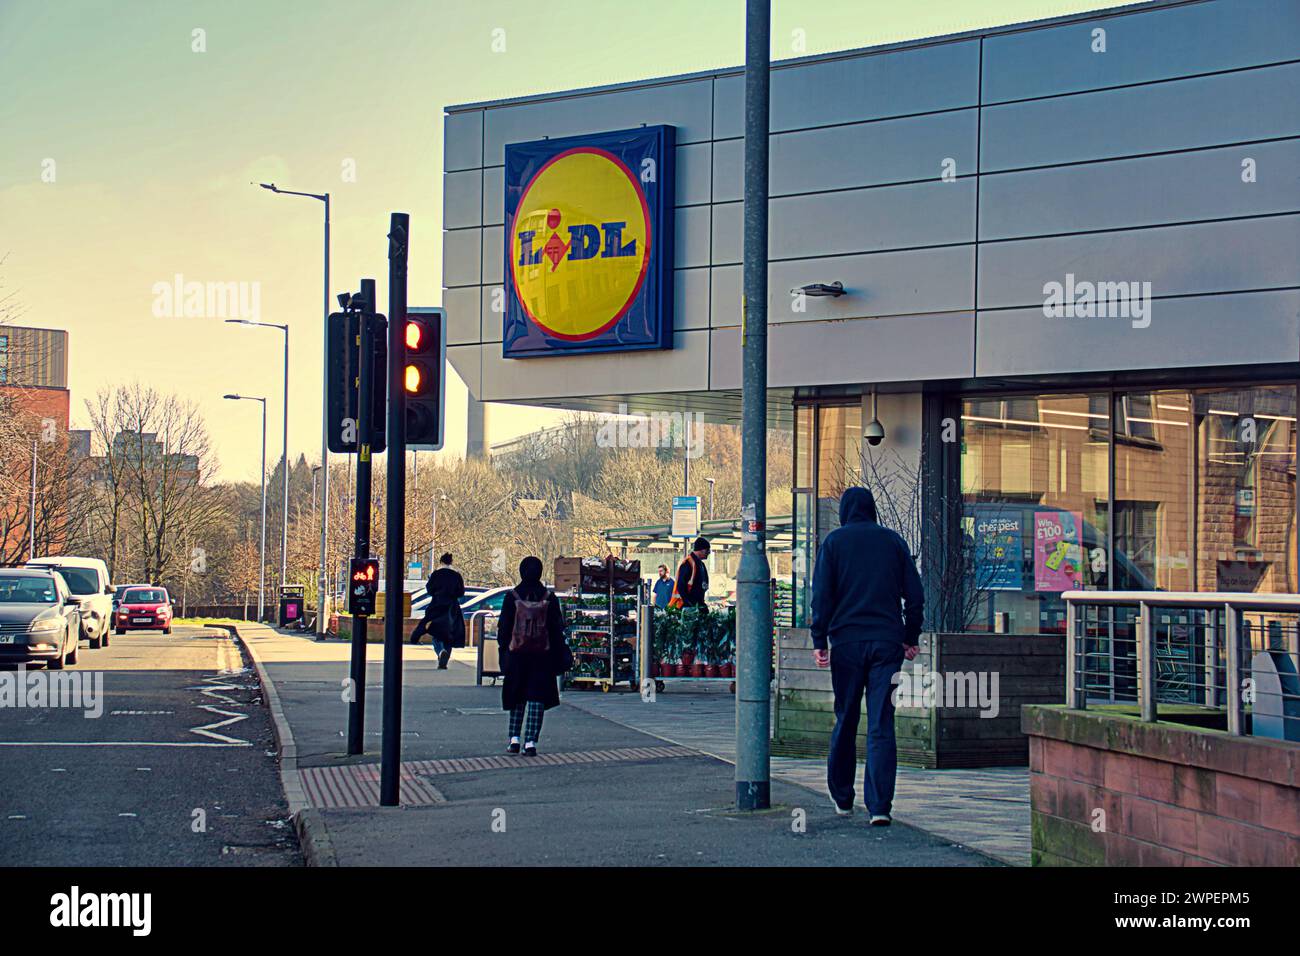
418, 337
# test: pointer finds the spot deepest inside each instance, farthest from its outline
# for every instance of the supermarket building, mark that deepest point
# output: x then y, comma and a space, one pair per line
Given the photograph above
1070, 260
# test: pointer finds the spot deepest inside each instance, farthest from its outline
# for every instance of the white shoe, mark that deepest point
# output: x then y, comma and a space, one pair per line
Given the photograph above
881, 820
841, 811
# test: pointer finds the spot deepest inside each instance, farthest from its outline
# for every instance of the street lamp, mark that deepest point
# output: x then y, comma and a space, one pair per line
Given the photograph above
284, 456
711, 482
261, 565
322, 600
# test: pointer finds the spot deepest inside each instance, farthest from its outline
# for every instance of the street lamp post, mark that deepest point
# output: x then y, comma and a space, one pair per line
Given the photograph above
261, 564
322, 600
284, 455
712, 482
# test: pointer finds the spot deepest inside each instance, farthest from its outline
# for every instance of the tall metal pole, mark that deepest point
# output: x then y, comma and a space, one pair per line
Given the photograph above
31, 546
322, 593
361, 540
753, 587
394, 512
284, 517
261, 565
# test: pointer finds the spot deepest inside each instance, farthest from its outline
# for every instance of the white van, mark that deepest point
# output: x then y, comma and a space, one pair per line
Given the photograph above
88, 581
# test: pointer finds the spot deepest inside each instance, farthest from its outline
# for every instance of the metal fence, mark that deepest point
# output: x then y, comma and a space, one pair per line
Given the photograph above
1195, 653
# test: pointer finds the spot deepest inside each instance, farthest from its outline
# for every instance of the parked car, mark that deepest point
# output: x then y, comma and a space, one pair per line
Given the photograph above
87, 579
144, 608
117, 593
490, 600
40, 619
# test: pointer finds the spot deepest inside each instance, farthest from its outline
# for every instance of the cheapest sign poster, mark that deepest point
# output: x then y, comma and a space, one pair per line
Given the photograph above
1058, 557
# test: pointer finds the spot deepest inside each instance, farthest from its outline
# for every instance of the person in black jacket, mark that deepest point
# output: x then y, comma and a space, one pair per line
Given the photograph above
443, 618
693, 575
868, 604
529, 687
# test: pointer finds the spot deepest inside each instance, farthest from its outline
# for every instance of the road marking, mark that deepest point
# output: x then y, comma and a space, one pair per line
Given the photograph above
128, 814
58, 770
116, 743
139, 713
207, 730
16, 816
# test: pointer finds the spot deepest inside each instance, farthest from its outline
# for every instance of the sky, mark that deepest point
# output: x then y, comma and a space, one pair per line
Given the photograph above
132, 132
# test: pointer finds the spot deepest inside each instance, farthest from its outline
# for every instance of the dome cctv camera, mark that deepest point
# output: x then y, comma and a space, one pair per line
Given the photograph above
874, 433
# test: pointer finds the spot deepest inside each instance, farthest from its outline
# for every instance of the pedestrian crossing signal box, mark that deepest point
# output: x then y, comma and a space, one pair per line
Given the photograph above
363, 586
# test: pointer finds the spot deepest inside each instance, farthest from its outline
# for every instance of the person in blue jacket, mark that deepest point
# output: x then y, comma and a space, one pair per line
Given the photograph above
867, 605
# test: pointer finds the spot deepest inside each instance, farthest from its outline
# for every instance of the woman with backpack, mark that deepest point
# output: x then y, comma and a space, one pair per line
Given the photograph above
533, 653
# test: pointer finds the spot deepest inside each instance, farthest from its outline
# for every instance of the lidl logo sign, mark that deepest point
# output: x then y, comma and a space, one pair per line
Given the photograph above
589, 243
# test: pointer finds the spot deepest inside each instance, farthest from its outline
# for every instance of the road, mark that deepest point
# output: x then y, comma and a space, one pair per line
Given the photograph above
178, 769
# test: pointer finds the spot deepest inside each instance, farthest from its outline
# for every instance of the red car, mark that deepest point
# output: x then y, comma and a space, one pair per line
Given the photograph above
144, 609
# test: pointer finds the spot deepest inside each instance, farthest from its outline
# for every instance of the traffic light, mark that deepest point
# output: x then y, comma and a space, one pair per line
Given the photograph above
425, 344
342, 336
363, 585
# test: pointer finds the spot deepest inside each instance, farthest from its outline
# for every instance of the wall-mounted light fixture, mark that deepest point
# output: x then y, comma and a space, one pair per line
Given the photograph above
833, 289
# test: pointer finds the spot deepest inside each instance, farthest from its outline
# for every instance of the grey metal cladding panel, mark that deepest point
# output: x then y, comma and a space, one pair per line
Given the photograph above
1218, 330
464, 307
1141, 48
691, 236
467, 360
693, 176
690, 299
462, 199
1203, 111
1235, 256
1151, 190
494, 196
461, 259
685, 105
494, 301
861, 220
885, 283
898, 349
462, 139
494, 254
870, 86
846, 157
684, 367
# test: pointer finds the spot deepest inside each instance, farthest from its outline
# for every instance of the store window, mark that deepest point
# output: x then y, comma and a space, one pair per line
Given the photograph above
1035, 489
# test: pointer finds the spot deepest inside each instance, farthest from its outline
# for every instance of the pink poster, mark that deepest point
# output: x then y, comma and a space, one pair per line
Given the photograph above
1058, 557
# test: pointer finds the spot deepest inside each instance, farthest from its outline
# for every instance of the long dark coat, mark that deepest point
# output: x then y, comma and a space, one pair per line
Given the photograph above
531, 676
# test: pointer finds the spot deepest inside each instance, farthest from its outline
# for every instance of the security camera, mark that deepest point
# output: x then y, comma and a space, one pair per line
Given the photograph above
874, 433
345, 298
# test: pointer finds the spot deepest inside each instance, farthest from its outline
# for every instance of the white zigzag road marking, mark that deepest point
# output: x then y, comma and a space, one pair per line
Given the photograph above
207, 730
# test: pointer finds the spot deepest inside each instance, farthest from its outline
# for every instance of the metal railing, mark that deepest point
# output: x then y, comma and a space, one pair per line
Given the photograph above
1194, 652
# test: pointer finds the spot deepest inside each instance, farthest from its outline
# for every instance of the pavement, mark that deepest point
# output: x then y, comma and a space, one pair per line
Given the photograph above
173, 764
606, 790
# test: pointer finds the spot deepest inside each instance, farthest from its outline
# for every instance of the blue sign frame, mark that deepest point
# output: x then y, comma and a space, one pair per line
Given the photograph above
646, 155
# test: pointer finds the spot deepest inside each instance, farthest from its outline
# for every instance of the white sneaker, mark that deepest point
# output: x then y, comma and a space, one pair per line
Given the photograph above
881, 820
841, 811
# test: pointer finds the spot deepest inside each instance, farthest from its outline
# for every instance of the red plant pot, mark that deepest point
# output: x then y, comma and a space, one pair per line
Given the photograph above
697, 669
668, 670
727, 670
711, 670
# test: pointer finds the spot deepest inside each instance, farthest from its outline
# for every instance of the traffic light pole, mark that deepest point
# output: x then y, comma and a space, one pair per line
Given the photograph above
361, 541
394, 513
754, 576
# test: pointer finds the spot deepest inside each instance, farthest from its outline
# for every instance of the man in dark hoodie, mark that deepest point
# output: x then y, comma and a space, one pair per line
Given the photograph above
867, 603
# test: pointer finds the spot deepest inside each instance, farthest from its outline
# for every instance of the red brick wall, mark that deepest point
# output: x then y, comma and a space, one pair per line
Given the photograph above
1194, 798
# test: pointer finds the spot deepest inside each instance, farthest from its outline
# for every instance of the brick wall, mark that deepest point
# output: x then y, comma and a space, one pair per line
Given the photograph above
1112, 791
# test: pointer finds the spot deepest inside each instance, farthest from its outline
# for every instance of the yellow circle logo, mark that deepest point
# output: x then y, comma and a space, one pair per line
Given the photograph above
581, 243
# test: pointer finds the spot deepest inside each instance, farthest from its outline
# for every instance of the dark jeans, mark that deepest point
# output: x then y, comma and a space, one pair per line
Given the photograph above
857, 668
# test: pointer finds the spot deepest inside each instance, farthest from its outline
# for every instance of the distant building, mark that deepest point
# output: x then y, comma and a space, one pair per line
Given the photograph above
34, 373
